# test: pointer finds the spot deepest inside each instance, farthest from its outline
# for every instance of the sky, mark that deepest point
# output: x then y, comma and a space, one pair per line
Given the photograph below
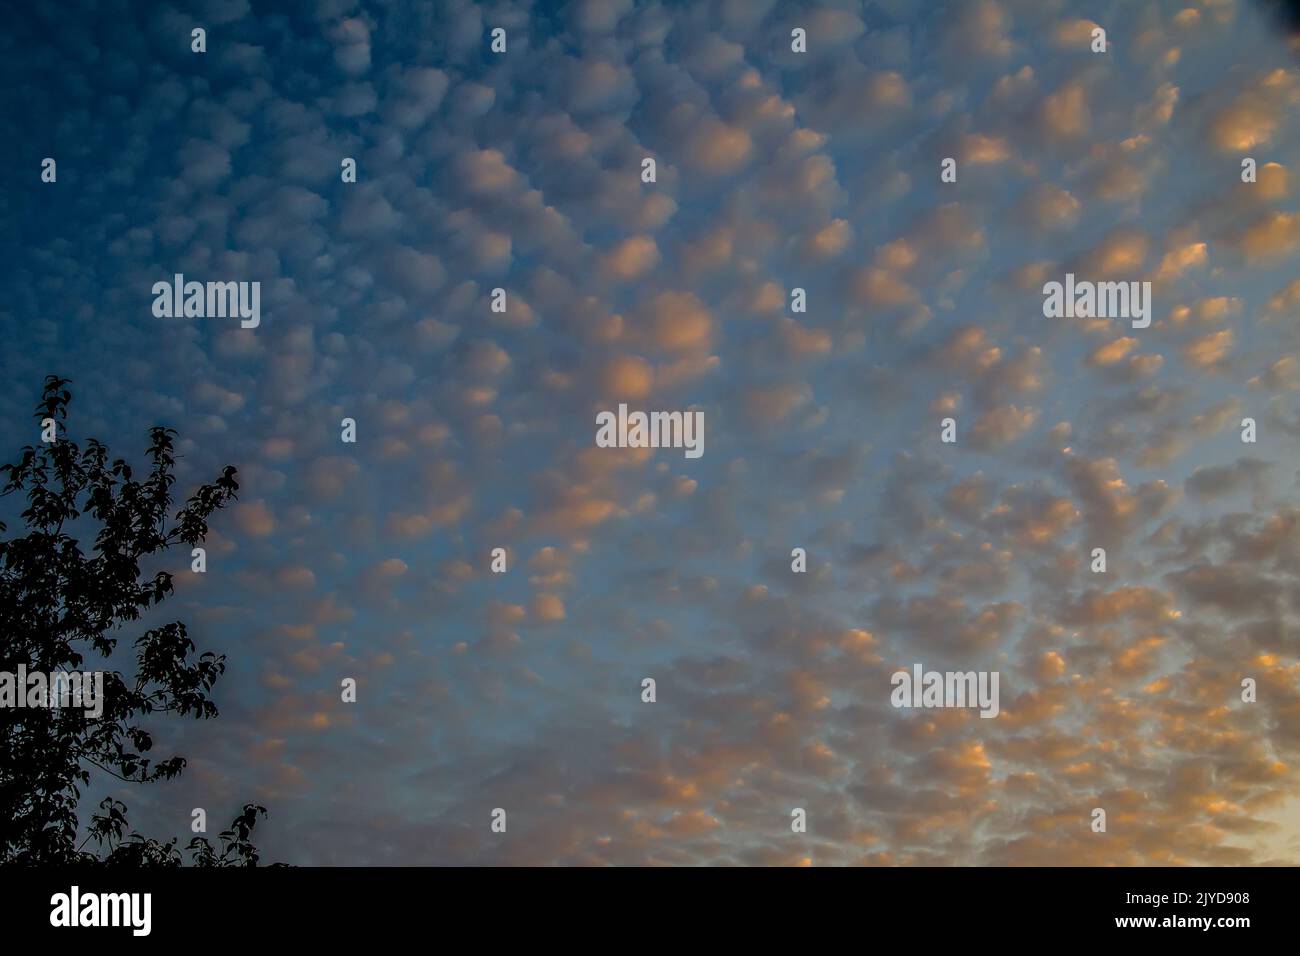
475, 429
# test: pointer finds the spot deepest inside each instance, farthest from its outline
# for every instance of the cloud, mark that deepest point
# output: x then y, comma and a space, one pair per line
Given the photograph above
675, 322
475, 428
351, 39
1000, 426
1064, 114
1209, 349
547, 608
1251, 120
632, 258
1217, 480
254, 519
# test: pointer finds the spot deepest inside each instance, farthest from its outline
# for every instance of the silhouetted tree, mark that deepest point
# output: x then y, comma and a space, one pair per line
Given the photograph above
57, 604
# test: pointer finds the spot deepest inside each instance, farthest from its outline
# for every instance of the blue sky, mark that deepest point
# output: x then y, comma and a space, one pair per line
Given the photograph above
775, 170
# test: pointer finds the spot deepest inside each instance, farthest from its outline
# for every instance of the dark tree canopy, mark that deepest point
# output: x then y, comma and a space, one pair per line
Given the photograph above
65, 608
